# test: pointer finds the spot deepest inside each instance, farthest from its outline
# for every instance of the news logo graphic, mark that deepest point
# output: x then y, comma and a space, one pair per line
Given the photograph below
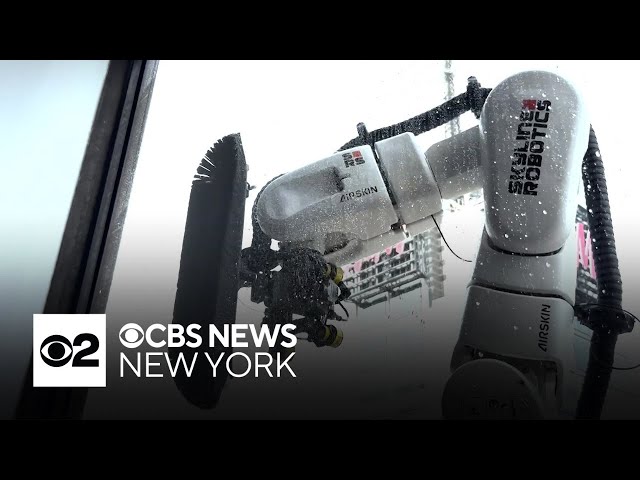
150, 360
69, 350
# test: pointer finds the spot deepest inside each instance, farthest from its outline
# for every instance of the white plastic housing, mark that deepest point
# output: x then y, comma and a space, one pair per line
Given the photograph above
520, 327
550, 275
489, 389
455, 163
337, 198
341, 206
519, 307
533, 136
410, 180
516, 325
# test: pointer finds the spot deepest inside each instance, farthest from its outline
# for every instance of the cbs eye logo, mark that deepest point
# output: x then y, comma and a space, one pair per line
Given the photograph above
131, 335
64, 346
57, 350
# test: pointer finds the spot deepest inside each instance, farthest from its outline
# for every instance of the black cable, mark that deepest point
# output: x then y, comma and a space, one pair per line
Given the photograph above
580, 309
600, 225
473, 99
343, 308
604, 338
445, 241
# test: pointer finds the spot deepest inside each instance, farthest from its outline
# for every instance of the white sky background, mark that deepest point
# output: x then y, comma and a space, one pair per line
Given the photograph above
291, 113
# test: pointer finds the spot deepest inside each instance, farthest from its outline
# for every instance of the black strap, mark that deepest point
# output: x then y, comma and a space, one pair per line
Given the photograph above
473, 99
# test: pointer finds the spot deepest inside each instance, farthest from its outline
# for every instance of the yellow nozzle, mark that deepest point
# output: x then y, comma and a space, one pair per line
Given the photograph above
334, 273
338, 340
339, 275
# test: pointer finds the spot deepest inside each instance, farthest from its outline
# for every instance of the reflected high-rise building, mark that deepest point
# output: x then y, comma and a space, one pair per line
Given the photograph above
399, 269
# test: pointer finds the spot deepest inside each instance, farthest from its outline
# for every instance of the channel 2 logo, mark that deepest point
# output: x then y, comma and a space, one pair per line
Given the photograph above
69, 350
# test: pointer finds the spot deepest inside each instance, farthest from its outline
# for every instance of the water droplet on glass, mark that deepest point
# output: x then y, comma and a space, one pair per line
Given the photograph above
544, 212
547, 264
477, 303
515, 327
506, 235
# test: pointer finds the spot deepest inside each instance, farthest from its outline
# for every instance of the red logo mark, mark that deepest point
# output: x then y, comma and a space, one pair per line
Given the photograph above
528, 104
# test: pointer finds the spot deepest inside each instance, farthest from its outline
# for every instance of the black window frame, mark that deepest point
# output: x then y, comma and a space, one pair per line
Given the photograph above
86, 259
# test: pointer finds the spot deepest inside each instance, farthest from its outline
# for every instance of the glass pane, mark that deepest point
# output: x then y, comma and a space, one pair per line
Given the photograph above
46, 115
397, 348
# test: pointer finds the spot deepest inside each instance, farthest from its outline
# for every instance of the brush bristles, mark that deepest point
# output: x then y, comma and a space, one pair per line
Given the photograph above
207, 164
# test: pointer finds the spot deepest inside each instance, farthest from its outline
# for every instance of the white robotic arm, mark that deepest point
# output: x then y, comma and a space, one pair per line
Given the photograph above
533, 134
526, 155
353, 204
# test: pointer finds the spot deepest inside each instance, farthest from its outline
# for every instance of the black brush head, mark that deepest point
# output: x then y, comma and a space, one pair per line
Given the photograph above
208, 278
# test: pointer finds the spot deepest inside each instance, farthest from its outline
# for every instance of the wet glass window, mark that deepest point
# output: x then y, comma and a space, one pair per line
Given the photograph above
408, 297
